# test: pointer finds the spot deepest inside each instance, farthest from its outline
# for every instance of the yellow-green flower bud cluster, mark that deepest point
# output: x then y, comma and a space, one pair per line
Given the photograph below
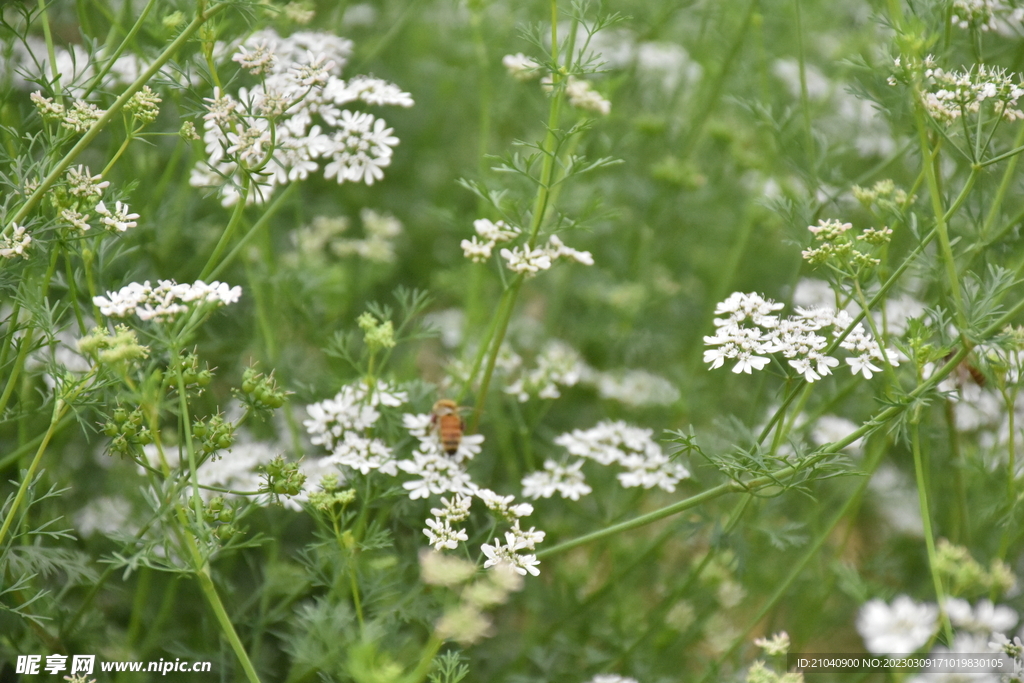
377, 335
112, 349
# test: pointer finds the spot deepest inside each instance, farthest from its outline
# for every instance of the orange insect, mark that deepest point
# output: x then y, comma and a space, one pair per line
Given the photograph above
447, 424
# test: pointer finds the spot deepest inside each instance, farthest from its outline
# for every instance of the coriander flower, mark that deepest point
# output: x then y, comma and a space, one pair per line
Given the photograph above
364, 454
900, 628
83, 185
454, 510
526, 261
76, 220
583, 96
521, 67
565, 480
495, 232
165, 301
81, 116
15, 244
441, 535
119, 220
258, 61
477, 252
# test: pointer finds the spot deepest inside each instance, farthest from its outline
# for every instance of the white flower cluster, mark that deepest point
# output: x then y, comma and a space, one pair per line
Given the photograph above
954, 94
796, 337
377, 245
341, 424
521, 67
905, 626
294, 119
16, 243
634, 387
491, 233
165, 301
583, 96
565, 480
980, 13
557, 364
118, 220
516, 540
521, 259
440, 532
630, 447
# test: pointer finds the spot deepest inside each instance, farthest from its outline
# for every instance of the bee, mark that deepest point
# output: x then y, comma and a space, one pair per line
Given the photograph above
447, 424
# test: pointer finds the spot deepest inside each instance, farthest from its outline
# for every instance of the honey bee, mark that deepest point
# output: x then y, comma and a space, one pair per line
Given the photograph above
447, 424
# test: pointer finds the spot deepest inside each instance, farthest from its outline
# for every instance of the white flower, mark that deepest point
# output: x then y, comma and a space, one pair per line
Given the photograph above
985, 618
566, 480
362, 147
441, 535
526, 261
497, 554
521, 67
556, 249
15, 244
364, 454
119, 220
330, 419
583, 96
502, 505
76, 220
632, 448
900, 628
495, 232
438, 475
83, 185
454, 510
165, 301
611, 678
258, 60
478, 252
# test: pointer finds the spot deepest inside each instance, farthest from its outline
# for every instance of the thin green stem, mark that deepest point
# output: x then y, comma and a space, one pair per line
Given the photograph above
186, 427
996, 203
927, 159
758, 483
274, 206
58, 92
59, 408
801, 564
926, 518
225, 237
117, 155
549, 149
111, 58
210, 591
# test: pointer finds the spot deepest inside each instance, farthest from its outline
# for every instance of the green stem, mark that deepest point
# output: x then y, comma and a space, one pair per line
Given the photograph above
875, 423
58, 92
59, 407
549, 148
254, 230
210, 591
111, 58
117, 155
802, 563
186, 426
225, 237
926, 518
927, 159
